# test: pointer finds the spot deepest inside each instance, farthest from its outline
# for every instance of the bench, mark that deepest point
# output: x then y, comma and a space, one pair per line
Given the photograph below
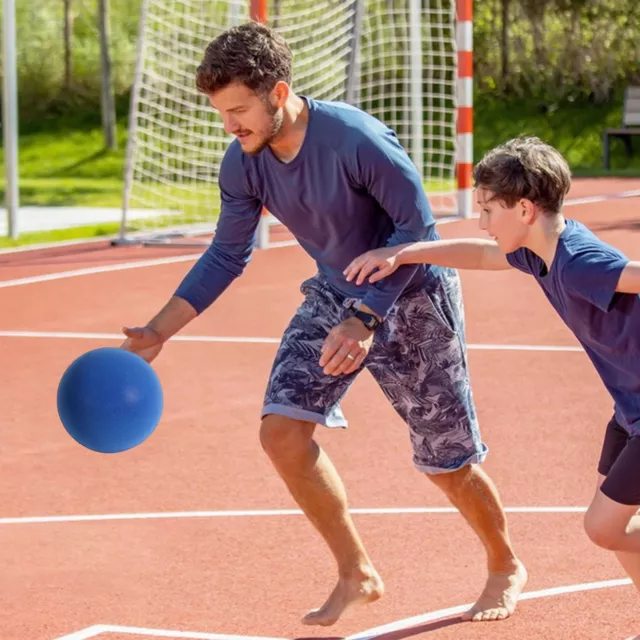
630, 124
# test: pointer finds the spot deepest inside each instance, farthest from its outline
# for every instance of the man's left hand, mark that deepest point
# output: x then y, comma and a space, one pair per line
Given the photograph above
346, 347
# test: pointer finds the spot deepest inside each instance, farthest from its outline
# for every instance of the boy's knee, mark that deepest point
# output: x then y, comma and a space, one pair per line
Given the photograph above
283, 437
601, 533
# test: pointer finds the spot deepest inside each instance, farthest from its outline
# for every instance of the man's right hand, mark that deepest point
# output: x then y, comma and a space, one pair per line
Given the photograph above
147, 341
142, 341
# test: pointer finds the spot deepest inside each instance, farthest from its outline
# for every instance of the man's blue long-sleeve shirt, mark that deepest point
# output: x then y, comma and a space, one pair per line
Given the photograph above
351, 188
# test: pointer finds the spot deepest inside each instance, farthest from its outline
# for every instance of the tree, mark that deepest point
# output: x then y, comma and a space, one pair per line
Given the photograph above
67, 45
106, 88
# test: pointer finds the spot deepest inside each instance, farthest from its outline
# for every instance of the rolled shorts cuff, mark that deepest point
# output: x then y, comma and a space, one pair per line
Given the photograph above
331, 421
474, 458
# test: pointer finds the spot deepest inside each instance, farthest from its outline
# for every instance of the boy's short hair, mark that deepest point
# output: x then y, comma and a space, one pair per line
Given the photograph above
525, 167
251, 53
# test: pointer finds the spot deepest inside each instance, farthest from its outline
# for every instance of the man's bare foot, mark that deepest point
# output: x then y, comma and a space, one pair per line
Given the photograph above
367, 587
500, 596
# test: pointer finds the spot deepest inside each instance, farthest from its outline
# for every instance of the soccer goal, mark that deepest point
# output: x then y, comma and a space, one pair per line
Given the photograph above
407, 62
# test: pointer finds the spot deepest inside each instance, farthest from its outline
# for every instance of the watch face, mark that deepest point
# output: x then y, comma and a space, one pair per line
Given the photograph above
369, 320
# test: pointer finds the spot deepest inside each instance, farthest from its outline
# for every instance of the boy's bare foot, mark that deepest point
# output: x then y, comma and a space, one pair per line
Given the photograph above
500, 596
361, 589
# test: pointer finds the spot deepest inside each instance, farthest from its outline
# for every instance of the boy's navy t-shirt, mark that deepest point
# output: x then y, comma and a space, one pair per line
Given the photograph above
581, 286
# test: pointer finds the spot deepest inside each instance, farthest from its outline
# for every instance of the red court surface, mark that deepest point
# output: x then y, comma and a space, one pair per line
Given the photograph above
192, 534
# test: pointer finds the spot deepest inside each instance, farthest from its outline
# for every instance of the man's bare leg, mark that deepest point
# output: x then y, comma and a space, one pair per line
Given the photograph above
316, 486
473, 493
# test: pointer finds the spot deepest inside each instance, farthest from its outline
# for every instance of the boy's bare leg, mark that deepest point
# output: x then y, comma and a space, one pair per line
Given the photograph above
473, 493
616, 527
316, 486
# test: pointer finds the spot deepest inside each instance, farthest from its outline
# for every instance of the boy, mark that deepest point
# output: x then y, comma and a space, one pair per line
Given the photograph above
594, 288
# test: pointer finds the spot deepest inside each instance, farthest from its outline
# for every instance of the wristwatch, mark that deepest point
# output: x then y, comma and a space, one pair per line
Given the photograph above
369, 320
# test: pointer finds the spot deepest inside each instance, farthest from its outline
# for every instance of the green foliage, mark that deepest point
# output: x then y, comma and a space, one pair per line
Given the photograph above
40, 54
557, 49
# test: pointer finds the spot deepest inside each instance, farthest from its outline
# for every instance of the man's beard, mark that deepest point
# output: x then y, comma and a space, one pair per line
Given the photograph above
274, 130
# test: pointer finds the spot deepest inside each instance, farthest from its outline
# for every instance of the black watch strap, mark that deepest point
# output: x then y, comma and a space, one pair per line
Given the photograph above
368, 319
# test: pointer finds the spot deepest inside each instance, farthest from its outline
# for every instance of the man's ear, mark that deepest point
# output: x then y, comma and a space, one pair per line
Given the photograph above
280, 94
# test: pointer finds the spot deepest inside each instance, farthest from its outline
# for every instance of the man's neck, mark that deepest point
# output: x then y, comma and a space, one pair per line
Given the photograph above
288, 143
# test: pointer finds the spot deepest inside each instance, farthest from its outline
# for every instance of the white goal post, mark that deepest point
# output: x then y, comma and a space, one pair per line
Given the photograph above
407, 62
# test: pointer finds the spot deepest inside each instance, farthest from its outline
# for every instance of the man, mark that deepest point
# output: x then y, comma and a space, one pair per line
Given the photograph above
342, 184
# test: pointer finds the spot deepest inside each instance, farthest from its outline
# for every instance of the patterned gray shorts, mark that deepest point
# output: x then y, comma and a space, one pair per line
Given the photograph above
418, 357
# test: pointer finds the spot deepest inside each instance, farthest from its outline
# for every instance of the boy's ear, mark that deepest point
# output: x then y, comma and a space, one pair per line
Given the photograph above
527, 211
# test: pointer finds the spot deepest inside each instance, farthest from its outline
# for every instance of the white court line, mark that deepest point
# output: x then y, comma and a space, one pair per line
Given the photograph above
369, 634
89, 632
634, 193
120, 337
261, 513
61, 275
445, 613
97, 630
193, 256
70, 335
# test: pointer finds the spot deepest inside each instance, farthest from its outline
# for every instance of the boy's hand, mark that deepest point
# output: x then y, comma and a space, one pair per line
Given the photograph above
385, 260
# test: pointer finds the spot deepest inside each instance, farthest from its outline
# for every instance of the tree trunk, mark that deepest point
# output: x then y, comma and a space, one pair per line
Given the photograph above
67, 45
106, 89
505, 43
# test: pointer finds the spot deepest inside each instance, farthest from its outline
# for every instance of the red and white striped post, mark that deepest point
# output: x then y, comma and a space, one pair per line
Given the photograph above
258, 13
464, 36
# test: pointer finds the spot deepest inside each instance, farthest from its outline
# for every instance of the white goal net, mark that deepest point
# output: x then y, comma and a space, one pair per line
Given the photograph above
396, 59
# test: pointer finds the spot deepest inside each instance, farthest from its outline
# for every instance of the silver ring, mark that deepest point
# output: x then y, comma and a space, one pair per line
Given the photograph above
350, 356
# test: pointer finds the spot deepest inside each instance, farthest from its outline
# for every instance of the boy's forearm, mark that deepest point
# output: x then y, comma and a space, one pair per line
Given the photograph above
467, 253
175, 315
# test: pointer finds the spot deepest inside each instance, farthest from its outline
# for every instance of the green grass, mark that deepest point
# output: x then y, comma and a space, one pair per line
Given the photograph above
575, 129
71, 192
63, 161
61, 235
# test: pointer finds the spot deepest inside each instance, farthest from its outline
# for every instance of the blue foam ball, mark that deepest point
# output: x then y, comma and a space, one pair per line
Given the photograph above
110, 400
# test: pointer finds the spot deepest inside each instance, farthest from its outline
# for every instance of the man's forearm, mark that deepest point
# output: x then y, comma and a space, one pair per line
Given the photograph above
175, 315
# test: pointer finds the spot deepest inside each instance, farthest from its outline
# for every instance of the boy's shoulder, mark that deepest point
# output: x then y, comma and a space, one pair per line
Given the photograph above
577, 236
578, 245
587, 267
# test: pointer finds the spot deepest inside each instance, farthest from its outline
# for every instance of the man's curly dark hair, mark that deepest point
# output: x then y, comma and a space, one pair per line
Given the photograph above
251, 54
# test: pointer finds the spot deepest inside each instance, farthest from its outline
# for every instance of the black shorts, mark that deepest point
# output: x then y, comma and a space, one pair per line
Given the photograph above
620, 463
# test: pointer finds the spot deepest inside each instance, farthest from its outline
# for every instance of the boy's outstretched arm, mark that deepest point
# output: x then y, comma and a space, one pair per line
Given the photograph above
629, 281
463, 253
